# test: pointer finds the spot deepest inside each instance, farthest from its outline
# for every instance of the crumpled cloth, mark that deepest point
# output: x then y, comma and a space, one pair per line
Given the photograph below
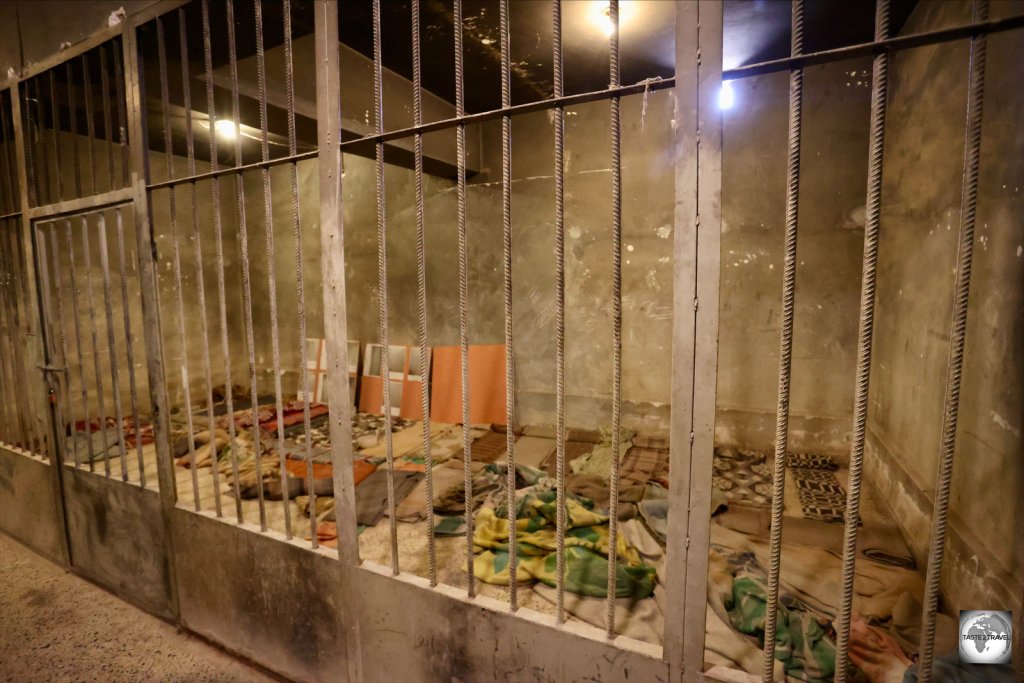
586, 548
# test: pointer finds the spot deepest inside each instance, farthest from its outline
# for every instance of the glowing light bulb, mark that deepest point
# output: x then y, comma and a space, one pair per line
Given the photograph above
726, 96
226, 128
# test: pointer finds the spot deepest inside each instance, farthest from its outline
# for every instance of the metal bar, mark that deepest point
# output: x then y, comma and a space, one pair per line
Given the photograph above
62, 341
905, 42
81, 205
73, 117
514, 110
237, 169
796, 80
243, 248
559, 132
90, 125
108, 134
268, 228
8, 175
101, 225
197, 255
382, 283
332, 262
122, 118
145, 252
129, 344
13, 421
55, 115
176, 257
91, 303
613, 501
300, 294
958, 334
421, 288
41, 125
46, 311
467, 439
218, 233
76, 316
21, 121
876, 146
506, 231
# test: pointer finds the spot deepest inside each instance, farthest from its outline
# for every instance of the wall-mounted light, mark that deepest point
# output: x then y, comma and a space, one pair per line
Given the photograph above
726, 96
226, 128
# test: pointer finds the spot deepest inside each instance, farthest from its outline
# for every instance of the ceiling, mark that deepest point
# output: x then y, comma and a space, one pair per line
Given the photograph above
754, 31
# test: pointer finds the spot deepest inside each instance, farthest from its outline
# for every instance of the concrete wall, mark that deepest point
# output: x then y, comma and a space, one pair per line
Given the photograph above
920, 220
831, 218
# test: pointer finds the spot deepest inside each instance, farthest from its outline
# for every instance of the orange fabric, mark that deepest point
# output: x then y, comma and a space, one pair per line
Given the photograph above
486, 384
360, 470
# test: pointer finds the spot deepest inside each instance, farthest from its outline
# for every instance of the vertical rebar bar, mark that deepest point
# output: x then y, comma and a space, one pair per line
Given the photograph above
958, 334
243, 248
91, 302
44, 155
559, 133
179, 296
616, 140
506, 231
122, 267
197, 254
796, 80
467, 438
122, 114
90, 124
73, 120
876, 145
421, 288
300, 293
10, 195
382, 274
268, 228
80, 359
108, 133
101, 225
15, 433
55, 116
218, 234
32, 174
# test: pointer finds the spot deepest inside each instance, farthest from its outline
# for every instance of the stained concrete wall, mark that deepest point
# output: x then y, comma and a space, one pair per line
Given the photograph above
833, 175
920, 220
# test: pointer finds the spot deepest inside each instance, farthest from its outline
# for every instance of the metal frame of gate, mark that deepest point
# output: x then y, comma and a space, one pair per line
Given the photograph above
698, 224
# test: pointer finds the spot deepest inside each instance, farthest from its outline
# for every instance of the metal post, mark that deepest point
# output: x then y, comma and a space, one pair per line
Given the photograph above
697, 228
559, 133
146, 254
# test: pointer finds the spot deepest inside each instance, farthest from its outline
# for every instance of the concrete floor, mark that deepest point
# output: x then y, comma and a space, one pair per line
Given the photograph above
55, 626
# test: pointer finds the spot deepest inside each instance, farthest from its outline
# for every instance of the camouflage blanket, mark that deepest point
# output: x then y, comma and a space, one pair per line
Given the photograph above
586, 548
801, 643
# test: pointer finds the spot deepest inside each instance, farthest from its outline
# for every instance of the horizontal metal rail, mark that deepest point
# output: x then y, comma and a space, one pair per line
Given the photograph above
90, 204
514, 110
875, 47
254, 166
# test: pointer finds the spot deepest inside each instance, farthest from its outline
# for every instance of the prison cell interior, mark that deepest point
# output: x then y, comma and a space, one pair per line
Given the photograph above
372, 326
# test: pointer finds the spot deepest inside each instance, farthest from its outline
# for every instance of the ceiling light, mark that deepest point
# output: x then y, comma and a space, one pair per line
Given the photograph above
726, 96
226, 128
602, 16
